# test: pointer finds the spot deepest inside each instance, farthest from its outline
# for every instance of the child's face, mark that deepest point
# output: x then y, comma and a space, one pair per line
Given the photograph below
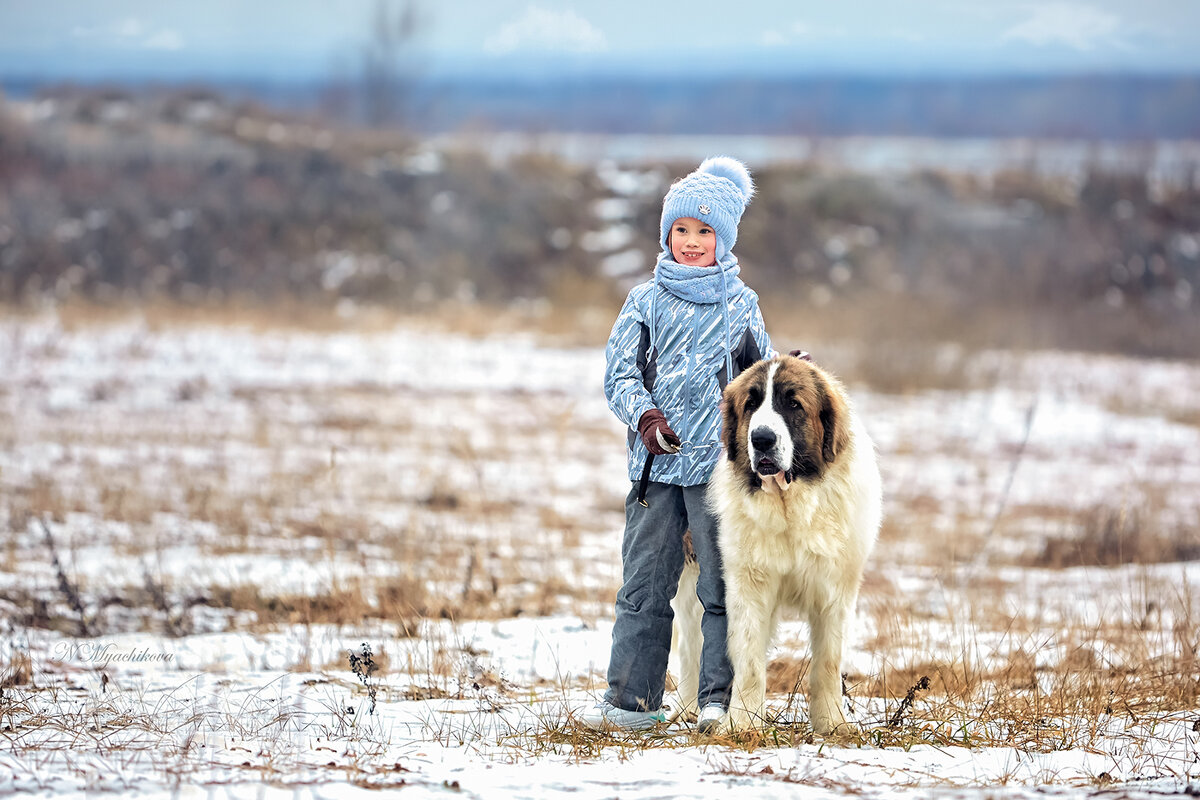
693, 243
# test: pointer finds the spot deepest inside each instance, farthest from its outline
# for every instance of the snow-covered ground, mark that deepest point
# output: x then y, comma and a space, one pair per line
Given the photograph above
201, 523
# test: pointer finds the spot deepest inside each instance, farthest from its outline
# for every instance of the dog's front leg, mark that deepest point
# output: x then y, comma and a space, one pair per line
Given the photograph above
750, 604
828, 630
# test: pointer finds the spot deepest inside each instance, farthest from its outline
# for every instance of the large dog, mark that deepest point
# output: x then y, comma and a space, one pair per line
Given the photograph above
799, 501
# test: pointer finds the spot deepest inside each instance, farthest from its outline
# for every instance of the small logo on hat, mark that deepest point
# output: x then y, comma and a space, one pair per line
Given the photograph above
705, 209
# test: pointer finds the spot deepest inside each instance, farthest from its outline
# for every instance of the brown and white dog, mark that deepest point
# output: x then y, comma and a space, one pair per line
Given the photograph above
799, 502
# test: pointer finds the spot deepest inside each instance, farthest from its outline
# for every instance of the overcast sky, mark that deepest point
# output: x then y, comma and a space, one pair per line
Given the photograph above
172, 39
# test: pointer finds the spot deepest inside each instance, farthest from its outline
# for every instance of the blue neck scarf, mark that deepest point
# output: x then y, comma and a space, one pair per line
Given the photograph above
699, 284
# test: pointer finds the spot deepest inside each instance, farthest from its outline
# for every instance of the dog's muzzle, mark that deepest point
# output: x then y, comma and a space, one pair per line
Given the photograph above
765, 457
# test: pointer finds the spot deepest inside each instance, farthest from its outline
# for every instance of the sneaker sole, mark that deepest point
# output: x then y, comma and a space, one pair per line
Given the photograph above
606, 725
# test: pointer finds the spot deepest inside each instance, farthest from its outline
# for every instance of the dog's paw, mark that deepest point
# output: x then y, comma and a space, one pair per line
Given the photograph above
739, 719
828, 728
687, 715
827, 723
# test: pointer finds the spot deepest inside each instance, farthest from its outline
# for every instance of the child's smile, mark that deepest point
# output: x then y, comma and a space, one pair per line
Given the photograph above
693, 243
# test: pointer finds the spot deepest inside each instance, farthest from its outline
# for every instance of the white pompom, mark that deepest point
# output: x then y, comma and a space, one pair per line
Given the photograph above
734, 170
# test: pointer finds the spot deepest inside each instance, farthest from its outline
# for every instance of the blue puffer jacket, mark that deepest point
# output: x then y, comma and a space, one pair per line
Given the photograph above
674, 346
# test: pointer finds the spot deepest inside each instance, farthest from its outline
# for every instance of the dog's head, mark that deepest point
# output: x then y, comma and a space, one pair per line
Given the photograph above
784, 420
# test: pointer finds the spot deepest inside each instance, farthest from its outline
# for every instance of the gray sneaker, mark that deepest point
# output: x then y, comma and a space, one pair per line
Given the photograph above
711, 718
605, 716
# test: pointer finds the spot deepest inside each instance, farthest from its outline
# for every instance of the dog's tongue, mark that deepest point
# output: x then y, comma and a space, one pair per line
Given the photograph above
775, 484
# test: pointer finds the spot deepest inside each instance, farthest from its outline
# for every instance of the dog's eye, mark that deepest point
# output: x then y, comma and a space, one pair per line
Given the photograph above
753, 398
794, 404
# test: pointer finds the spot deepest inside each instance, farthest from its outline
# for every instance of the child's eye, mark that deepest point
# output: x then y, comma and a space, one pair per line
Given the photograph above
705, 231
680, 229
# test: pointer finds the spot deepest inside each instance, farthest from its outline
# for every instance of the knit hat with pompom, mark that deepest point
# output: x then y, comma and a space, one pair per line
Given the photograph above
716, 194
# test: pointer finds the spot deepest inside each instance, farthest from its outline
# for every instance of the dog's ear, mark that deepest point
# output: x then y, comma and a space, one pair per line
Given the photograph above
729, 424
835, 434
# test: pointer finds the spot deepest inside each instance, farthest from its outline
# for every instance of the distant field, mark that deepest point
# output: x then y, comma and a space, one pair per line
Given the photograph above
194, 200
202, 520
1167, 160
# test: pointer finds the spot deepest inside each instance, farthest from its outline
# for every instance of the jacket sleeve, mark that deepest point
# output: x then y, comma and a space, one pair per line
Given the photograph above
624, 384
758, 330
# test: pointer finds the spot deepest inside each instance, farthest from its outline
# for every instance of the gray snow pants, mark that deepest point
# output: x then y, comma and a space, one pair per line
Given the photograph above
652, 560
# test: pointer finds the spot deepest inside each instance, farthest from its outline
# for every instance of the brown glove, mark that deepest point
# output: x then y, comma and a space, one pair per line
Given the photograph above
657, 435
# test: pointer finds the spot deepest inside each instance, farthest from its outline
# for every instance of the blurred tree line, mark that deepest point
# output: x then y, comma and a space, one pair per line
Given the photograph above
194, 200
249, 205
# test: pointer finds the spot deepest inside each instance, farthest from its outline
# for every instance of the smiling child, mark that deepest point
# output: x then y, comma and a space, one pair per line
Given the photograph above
679, 339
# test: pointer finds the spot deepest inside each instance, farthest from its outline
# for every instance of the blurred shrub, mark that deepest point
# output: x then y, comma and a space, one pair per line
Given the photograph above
1111, 536
244, 203
376, 219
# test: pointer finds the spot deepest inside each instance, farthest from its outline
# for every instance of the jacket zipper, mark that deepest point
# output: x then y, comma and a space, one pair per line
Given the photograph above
687, 397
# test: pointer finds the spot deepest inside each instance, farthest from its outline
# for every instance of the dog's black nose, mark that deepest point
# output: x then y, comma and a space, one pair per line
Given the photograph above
762, 439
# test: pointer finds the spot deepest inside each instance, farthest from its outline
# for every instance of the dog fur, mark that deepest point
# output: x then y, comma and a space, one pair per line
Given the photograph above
799, 500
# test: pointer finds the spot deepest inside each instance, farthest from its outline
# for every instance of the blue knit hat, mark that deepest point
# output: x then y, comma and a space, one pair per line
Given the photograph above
716, 194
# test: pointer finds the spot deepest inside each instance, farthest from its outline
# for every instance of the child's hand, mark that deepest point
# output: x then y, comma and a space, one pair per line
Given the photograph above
801, 354
657, 435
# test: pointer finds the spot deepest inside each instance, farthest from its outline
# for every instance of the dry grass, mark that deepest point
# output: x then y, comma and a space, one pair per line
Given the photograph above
245, 312
415, 527
1113, 535
578, 312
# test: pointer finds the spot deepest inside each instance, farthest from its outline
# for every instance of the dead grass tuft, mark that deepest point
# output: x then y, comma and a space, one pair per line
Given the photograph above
939, 677
1111, 536
18, 671
398, 599
786, 675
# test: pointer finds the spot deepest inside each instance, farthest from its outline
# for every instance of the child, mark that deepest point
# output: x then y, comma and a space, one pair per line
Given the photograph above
679, 339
